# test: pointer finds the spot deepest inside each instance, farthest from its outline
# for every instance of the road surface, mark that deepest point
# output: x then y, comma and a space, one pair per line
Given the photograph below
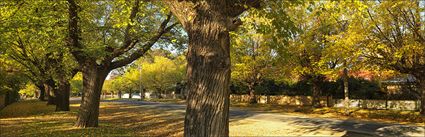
297, 125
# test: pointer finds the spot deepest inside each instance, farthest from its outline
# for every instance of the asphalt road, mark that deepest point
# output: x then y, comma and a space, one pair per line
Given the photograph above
304, 124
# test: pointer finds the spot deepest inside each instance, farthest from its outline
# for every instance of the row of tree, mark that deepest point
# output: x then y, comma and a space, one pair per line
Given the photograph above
321, 41
11, 80
159, 72
280, 40
56, 39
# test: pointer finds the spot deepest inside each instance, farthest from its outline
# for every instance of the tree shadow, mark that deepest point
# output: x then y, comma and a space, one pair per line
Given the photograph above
133, 119
309, 126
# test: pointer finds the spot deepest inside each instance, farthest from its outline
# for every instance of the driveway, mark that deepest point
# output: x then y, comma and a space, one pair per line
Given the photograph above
272, 124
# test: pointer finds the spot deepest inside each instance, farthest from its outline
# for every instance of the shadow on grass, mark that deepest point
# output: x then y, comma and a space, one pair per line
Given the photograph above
115, 120
28, 108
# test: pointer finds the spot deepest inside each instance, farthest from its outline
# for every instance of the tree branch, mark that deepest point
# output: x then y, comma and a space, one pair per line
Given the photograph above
73, 36
129, 43
140, 52
379, 29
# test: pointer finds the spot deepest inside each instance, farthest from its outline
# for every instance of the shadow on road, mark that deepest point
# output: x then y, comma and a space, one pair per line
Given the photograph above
299, 124
307, 125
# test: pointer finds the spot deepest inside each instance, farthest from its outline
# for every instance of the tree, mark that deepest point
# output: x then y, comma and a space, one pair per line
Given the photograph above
123, 32
161, 74
306, 48
107, 87
35, 42
10, 36
29, 90
314, 50
11, 78
393, 38
208, 23
118, 85
158, 72
252, 56
77, 84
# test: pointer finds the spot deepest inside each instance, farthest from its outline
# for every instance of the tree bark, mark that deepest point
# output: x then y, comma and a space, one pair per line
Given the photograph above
94, 78
49, 88
94, 74
316, 94
346, 97
208, 70
62, 96
422, 91
207, 112
50, 97
130, 94
252, 96
42, 95
268, 99
142, 94
159, 93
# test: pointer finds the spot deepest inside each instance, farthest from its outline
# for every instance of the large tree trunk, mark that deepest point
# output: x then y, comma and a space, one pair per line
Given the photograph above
62, 96
42, 95
130, 94
142, 94
207, 112
92, 85
346, 97
49, 88
422, 91
159, 93
208, 71
316, 94
252, 96
50, 96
